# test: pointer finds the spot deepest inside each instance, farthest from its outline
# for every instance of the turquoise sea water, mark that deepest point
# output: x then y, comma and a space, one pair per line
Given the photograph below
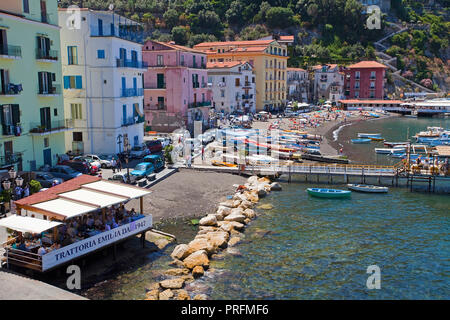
309, 248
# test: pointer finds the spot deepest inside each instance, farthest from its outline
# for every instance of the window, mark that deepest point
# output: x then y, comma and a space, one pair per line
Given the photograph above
357, 75
75, 109
26, 6
72, 54
78, 136
73, 82
55, 112
46, 142
159, 60
372, 75
45, 82
222, 93
100, 54
372, 84
182, 60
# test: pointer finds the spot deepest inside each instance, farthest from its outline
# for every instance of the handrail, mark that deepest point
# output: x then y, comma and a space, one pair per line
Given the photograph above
7, 242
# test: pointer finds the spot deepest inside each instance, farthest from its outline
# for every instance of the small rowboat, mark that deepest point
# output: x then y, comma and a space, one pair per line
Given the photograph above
376, 139
389, 150
369, 135
222, 164
367, 188
393, 144
328, 193
361, 140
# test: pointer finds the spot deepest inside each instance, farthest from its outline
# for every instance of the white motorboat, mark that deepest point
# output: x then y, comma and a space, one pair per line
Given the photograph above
369, 135
367, 188
389, 150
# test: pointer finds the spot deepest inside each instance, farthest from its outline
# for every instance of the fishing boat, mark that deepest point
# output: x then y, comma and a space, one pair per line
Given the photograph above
374, 115
393, 144
369, 135
389, 150
400, 155
328, 193
361, 140
367, 188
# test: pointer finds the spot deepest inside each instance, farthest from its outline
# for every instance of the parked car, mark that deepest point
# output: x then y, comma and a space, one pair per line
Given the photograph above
92, 162
157, 160
142, 170
154, 145
122, 177
46, 179
139, 152
81, 166
64, 172
104, 161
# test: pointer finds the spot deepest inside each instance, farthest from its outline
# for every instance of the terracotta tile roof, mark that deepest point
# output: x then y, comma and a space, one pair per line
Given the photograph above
174, 46
371, 101
287, 38
52, 193
319, 66
296, 69
366, 64
234, 43
229, 64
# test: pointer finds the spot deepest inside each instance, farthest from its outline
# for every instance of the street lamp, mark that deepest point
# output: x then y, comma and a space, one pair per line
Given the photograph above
13, 182
127, 149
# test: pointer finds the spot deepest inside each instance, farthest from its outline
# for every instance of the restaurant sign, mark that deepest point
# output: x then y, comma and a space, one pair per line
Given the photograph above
93, 243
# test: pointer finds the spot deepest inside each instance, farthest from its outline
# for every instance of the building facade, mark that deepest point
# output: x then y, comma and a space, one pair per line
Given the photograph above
31, 101
269, 61
384, 5
297, 85
102, 81
175, 86
328, 83
233, 87
365, 80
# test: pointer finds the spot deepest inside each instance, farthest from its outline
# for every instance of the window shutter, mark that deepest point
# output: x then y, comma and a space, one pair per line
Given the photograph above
78, 82
2, 115
40, 82
15, 114
66, 82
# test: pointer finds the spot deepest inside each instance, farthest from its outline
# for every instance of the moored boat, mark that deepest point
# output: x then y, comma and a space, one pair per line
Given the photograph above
368, 135
367, 188
393, 144
361, 140
328, 193
376, 139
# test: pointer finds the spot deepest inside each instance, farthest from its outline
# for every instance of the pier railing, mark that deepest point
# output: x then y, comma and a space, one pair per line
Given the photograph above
23, 258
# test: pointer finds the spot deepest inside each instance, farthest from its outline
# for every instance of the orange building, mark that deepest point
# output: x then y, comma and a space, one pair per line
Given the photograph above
269, 61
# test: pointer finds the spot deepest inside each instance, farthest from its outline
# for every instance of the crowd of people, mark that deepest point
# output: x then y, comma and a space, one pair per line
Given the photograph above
79, 228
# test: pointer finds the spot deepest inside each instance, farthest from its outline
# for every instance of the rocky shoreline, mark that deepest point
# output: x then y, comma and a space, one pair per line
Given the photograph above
217, 231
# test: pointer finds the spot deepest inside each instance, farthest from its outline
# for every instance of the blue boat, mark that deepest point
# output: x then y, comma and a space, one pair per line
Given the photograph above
329, 193
361, 140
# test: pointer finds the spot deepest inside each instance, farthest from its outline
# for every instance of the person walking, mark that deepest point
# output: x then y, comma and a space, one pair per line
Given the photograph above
113, 165
119, 165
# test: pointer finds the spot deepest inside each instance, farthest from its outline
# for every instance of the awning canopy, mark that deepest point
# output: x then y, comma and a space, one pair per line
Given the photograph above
65, 208
27, 224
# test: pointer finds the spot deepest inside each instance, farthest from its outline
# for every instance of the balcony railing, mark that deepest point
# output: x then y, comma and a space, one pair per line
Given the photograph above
122, 33
132, 92
121, 63
129, 121
10, 159
11, 89
54, 90
157, 86
11, 130
155, 107
12, 51
247, 96
47, 54
199, 104
57, 125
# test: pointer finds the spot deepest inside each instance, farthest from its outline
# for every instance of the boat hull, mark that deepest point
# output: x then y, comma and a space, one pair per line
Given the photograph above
367, 188
328, 193
369, 135
358, 141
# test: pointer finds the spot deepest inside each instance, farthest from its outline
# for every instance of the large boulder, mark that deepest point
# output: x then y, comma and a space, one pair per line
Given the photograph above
198, 258
218, 239
253, 180
209, 220
182, 295
201, 296
166, 295
206, 229
275, 186
198, 271
176, 283
224, 211
235, 217
233, 241
228, 226
249, 213
177, 272
228, 203
261, 191
236, 203
264, 180
200, 244
252, 196
180, 252
152, 295
246, 204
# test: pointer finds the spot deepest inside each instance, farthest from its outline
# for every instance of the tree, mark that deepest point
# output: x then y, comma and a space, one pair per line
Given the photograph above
279, 17
253, 32
171, 18
234, 13
199, 38
180, 35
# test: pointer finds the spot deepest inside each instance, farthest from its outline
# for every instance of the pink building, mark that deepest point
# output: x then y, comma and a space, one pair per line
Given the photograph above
364, 80
175, 87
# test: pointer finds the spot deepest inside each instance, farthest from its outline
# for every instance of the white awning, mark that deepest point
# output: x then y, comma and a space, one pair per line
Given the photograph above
66, 208
93, 198
27, 224
117, 189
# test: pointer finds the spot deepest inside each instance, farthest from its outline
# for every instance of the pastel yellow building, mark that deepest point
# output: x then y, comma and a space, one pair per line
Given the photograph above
269, 61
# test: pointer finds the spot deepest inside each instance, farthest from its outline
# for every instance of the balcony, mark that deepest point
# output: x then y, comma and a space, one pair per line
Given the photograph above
121, 63
129, 121
158, 106
37, 128
247, 96
123, 32
204, 84
195, 85
155, 87
10, 159
55, 90
131, 92
10, 52
11, 130
12, 90
47, 55
199, 104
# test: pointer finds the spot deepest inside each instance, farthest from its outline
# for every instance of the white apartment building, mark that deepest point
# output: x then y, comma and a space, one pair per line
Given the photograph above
102, 72
297, 84
233, 86
328, 83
